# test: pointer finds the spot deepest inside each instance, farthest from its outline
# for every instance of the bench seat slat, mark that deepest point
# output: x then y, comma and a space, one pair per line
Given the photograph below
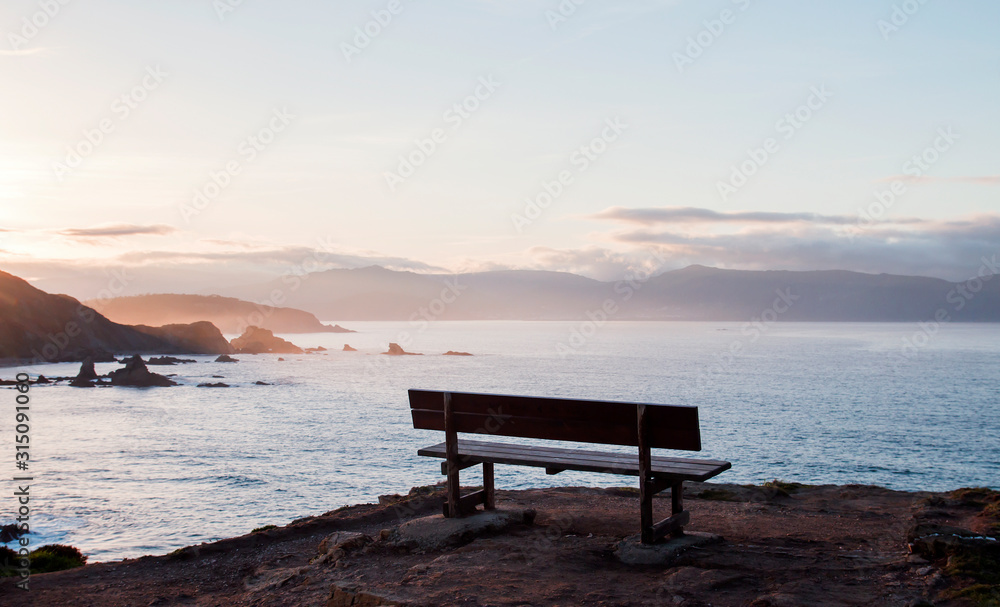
558, 450
581, 460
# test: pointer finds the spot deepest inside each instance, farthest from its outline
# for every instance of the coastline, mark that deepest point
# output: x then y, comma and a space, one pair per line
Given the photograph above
782, 544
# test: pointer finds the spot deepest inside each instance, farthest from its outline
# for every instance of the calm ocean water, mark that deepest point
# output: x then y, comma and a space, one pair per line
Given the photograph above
125, 472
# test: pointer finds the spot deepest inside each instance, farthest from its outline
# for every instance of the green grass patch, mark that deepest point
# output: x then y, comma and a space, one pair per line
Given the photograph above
981, 595
992, 510
975, 496
53, 557
982, 567
56, 557
264, 528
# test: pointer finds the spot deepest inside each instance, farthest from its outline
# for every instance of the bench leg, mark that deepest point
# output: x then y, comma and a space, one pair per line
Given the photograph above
677, 505
489, 499
645, 511
453, 493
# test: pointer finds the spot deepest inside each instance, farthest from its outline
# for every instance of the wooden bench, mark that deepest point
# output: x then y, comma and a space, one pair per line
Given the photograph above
588, 421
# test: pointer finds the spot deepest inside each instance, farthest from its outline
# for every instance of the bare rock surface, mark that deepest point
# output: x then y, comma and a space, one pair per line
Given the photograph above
822, 545
397, 350
261, 341
437, 532
135, 374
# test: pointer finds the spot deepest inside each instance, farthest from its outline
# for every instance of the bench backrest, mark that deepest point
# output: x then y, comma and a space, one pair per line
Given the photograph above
586, 421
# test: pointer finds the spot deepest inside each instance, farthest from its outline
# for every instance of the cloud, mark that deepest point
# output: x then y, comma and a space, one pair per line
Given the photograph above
695, 215
283, 260
656, 215
204, 272
117, 231
946, 249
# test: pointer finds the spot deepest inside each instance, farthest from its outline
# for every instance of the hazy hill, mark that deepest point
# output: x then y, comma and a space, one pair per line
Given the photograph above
693, 293
228, 314
37, 325
374, 293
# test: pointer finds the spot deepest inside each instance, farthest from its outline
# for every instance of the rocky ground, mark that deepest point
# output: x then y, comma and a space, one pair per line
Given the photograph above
782, 545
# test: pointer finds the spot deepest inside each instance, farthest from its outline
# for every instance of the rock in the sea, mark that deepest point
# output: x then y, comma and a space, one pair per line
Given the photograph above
262, 341
225, 358
262, 383
214, 385
319, 349
454, 353
168, 360
136, 374
396, 350
87, 369
42, 380
348, 348
281, 360
9, 533
86, 376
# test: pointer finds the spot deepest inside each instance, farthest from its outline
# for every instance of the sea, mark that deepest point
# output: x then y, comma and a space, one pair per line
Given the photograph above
125, 472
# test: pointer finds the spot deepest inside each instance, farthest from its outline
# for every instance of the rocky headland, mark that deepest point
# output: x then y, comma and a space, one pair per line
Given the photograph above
778, 545
262, 341
230, 315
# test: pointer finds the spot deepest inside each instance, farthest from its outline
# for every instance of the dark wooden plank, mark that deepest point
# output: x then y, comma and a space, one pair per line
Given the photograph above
669, 526
468, 503
597, 464
573, 459
451, 456
645, 476
463, 464
623, 433
489, 500
470, 444
670, 426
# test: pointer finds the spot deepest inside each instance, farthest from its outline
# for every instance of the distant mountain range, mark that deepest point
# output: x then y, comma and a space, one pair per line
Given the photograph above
693, 293
230, 315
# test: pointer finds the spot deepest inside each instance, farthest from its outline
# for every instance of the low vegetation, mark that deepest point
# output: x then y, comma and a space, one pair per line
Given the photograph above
53, 557
264, 528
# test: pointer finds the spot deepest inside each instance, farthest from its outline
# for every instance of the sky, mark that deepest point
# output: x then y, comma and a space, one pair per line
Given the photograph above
188, 145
